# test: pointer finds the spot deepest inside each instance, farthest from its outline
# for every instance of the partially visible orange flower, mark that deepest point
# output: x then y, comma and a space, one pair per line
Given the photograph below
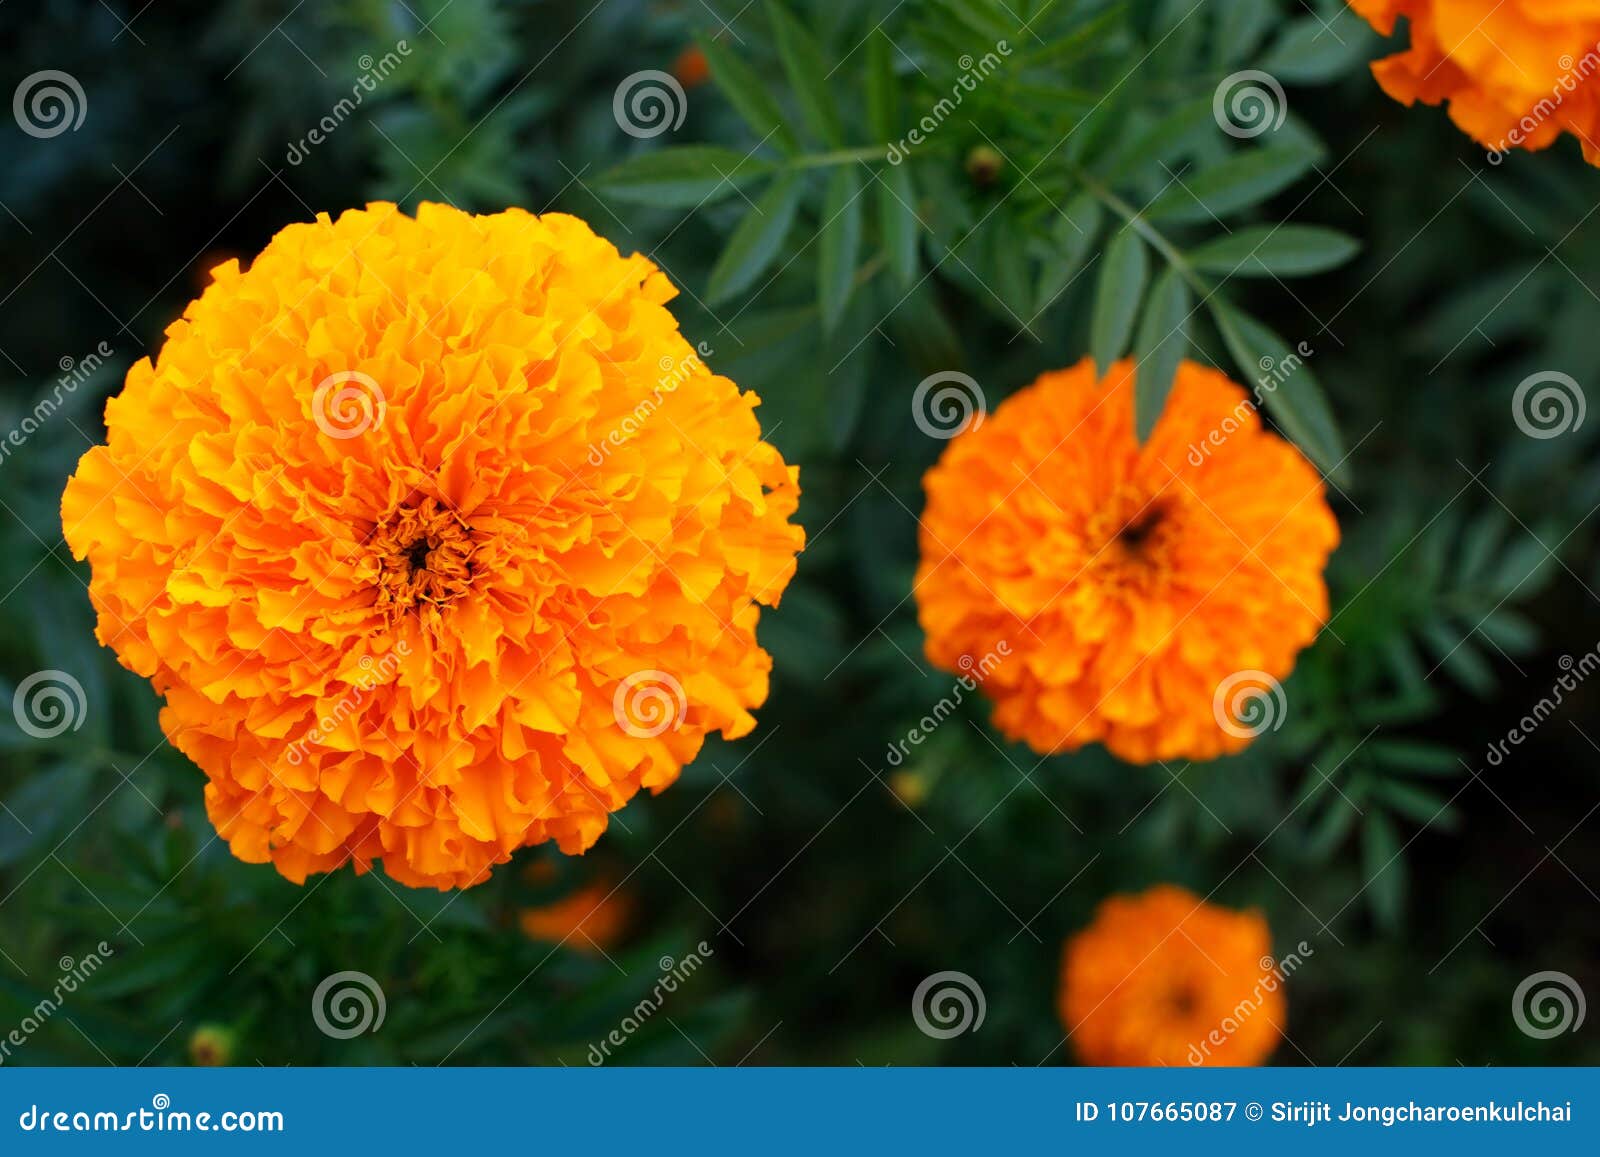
691, 68
1515, 73
1111, 592
1163, 978
591, 919
438, 539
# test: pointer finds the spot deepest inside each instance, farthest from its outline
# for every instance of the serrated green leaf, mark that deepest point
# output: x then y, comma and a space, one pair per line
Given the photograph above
1295, 398
808, 74
839, 243
1240, 182
1162, 341
1281, 250
750, 97
683, 178
897, 218
1123, 273
757, 240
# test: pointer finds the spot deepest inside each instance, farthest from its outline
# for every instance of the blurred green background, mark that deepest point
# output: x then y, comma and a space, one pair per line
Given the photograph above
827, 883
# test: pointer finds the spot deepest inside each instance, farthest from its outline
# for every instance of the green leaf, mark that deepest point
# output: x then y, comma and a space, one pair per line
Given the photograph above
1384, 868
683, 178
1123, 274
1415, 803
1414, 757
1292, 393
897, 216
808, 74
1239, 182
1168, 138
757, 239
1240, 26
1163, 339
1074, 234
840, 243
1285, 250
750, 97
883, 94
1313, 51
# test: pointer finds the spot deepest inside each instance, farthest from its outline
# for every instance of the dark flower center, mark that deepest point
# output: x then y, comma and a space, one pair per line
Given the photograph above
424, 551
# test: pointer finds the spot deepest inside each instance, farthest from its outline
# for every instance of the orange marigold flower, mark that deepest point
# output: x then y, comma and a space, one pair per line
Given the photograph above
1515, 73
1163, 978
591, 919
437, 538
1110, 592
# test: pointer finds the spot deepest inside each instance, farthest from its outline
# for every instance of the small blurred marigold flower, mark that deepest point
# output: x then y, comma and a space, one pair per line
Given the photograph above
1129, 582
438, 539
591, 919
1515, 73
1163, 978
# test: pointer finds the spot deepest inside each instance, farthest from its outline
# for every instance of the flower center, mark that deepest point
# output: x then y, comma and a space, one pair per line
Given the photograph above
424, 551
1183, 1001
1136, 532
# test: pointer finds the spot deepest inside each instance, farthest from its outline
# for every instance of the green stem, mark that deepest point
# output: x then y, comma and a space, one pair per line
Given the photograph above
1136, 221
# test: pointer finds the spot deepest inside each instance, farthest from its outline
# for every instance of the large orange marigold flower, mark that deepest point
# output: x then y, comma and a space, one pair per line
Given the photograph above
437, 538
1516, 73
1163, 978
1128, 587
